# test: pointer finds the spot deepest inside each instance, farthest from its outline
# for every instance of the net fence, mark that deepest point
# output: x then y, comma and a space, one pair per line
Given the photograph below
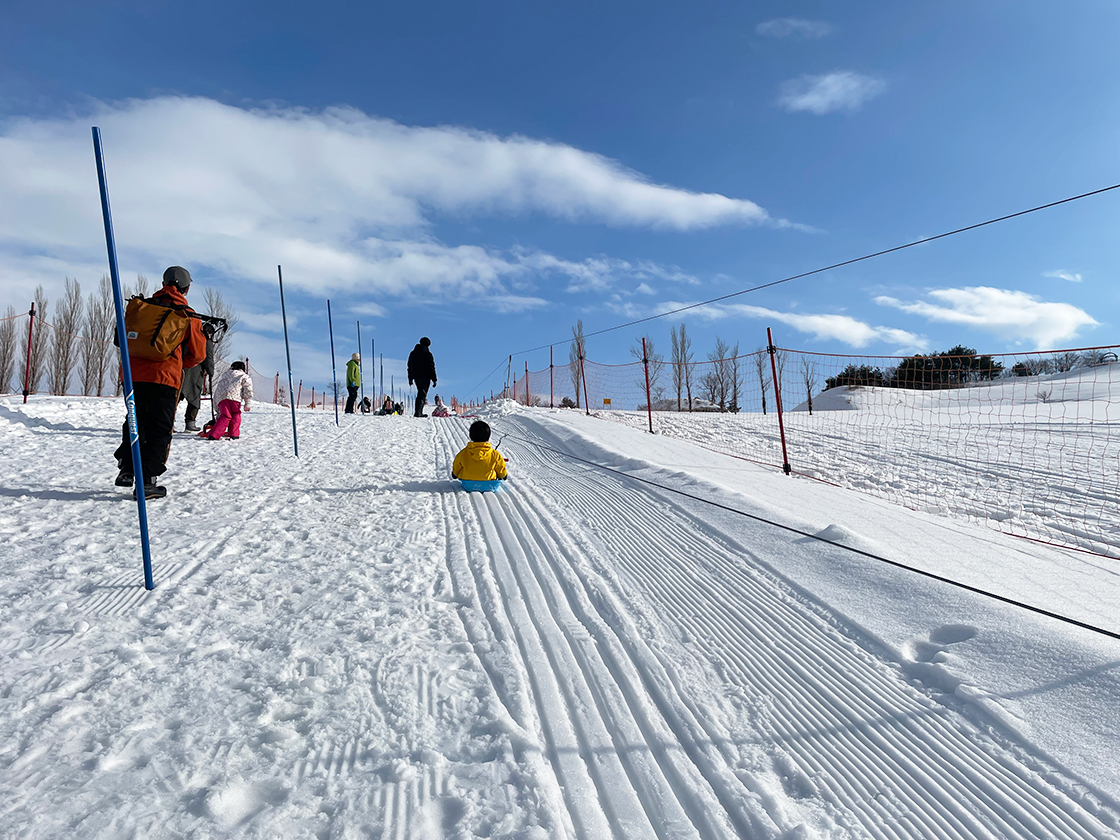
1024, 443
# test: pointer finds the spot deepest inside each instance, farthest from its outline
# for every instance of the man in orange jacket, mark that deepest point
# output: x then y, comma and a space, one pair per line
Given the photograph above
155, 385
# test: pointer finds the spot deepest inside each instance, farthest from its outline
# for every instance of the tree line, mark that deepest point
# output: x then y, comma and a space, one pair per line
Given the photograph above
959, 366
715, 385
73, 344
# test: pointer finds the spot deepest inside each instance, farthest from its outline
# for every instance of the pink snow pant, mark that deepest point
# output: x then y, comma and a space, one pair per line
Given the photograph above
229, 416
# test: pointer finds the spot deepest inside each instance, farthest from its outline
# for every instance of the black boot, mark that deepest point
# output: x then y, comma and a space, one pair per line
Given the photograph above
151, 489
124, 479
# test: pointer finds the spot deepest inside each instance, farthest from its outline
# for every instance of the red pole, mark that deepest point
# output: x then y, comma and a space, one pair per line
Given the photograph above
772, 350
583, 376
27, 370
551, 401
527, 400
649, 402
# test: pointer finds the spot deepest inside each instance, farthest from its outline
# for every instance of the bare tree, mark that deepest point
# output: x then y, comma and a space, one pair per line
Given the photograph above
141, 286
809, 378
577, 348
678, 364
97, 336
780, 364
655, 362
8, 348
689, 369
735, 374
1064, 362
717, 381
760, 364
217, 306
38, 342
67, 322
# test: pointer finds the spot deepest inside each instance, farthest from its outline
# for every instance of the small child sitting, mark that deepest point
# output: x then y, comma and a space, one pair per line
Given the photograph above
479, 461
441, 408
233, 389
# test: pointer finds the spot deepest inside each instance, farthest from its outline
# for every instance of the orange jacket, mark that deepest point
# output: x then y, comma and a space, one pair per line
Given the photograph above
479, 462
186, 355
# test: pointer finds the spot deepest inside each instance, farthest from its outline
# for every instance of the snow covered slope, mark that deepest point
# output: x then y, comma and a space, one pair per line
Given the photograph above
345, 645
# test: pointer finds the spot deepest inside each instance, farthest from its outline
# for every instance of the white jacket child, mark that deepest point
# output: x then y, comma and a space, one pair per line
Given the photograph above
234, 385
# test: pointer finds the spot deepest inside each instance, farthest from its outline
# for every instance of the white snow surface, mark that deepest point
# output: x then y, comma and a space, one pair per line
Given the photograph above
346, 645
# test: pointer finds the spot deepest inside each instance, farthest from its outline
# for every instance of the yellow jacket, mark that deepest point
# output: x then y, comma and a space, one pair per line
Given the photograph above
479, 462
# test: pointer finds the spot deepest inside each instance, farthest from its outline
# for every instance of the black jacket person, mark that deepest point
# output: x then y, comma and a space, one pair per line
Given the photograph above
422, 373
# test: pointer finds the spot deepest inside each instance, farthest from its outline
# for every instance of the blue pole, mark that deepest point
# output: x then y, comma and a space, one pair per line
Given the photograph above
126, 365
334, 370
361, 375
288, 352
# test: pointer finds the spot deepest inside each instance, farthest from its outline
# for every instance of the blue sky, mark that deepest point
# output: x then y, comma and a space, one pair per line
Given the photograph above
486, 174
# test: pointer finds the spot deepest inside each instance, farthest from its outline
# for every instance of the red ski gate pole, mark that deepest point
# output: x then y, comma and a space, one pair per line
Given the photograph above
649, 402
27, 370
772, 350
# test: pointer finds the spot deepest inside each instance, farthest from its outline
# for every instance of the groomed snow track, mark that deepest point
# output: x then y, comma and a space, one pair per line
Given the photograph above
613, 598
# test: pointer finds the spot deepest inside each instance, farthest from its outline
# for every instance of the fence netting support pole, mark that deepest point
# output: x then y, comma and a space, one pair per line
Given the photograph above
27, 370
649, 402
773, 351
527, 390
126, 364
334, 369
361, 375
288, 353
551, 400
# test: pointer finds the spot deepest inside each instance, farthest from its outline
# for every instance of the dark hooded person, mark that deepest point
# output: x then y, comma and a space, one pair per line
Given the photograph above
422, 373
155, 386
193, 381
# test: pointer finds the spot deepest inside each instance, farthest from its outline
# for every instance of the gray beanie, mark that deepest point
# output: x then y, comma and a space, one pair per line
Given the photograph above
178, 277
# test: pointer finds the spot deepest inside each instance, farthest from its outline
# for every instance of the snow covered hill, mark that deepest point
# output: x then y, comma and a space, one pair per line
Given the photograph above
346, 645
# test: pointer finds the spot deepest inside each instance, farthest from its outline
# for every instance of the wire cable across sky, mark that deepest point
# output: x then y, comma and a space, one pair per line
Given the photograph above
829, 267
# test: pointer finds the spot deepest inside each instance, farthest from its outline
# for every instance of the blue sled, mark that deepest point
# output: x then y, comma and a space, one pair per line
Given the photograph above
480, 486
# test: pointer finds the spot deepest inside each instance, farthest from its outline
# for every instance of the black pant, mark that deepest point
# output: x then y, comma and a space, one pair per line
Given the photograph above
155, 424
422, 386
352, 394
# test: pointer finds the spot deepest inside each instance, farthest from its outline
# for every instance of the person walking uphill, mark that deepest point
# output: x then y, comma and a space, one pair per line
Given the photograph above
191, 389
233, 390
422, 373
161, 344
353, 381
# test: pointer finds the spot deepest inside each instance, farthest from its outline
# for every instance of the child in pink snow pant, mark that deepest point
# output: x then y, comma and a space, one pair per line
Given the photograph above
229, 415
233, 389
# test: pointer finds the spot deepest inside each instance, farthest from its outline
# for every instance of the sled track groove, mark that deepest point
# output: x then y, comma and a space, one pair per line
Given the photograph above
886, 756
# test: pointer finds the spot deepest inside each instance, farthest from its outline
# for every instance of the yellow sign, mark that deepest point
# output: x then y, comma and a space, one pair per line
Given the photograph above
606, 400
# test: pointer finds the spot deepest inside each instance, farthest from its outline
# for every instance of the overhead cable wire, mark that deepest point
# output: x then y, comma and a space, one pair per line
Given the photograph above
976, 590
831, 267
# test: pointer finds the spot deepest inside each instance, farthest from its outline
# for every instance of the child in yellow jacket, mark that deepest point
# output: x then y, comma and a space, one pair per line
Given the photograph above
479, 461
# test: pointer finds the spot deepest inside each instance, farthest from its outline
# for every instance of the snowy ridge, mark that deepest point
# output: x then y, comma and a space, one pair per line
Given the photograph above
349, 646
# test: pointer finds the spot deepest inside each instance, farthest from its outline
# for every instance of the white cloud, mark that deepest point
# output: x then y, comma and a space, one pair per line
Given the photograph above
343, 200
1063, 275
839, 91
1006, 313
372, 309
823, 327
795, 27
